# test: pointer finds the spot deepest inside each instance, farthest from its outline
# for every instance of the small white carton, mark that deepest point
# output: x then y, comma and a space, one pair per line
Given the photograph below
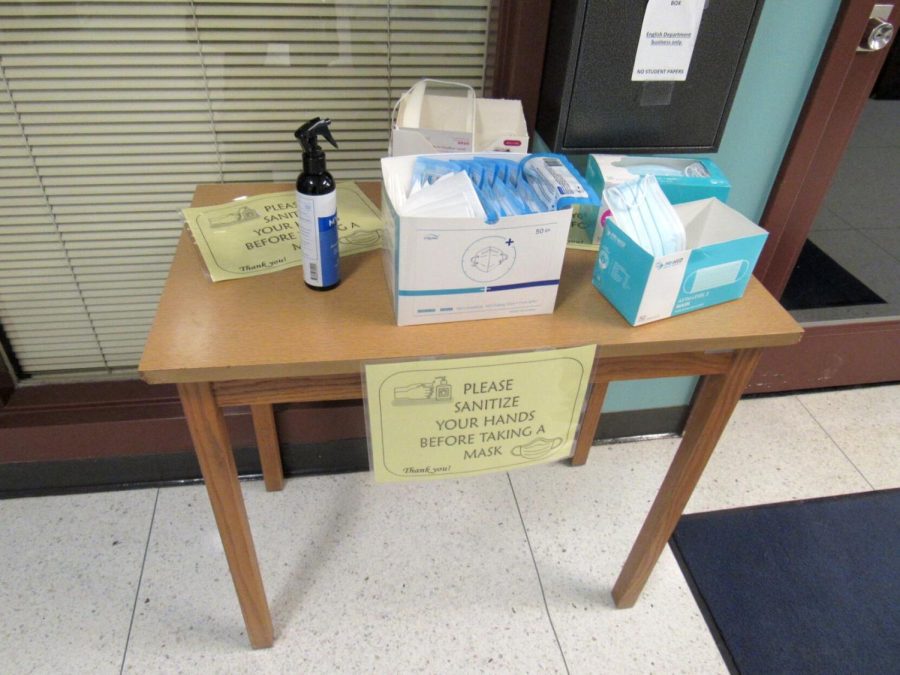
500, 125
460, 269
435, 116
722, 249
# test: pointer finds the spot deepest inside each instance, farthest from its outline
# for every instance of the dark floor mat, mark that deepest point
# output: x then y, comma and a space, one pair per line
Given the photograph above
818, 281
800, 587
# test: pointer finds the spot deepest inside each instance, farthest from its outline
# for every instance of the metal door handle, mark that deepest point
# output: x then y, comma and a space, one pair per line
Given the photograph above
877, 36
879, 30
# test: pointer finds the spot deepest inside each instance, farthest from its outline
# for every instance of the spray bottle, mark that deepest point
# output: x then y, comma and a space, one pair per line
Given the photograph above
317, 209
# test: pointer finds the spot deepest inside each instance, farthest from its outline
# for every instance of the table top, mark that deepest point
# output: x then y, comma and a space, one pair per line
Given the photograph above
274, 326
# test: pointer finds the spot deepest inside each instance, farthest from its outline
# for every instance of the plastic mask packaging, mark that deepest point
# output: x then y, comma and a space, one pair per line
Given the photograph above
537, 184
488, 171
483, 177
508, 201
509, 171
492, 214
529, 197
692, 170
501, 169
641, 210
496, 184
498, 170
476, 172
556, 182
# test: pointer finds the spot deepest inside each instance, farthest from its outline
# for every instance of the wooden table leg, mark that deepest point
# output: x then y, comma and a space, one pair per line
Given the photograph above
589, 423
716, 400
213, 448
267, 442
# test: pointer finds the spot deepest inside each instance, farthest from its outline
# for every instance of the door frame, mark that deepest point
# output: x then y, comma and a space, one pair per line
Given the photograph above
833, 353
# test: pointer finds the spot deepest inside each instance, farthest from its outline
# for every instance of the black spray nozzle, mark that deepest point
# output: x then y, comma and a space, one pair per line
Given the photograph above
309, 132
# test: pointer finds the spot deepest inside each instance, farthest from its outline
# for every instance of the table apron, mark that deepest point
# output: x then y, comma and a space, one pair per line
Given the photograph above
349, 386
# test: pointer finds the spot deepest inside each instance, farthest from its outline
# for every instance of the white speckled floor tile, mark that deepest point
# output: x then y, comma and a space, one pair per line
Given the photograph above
865, 424
773, 451
432, 577
582, 522
69, 571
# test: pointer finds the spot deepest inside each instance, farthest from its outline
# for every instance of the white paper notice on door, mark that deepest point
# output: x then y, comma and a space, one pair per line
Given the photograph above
667, 40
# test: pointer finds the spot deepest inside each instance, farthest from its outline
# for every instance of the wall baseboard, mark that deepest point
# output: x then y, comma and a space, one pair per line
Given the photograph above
311, 444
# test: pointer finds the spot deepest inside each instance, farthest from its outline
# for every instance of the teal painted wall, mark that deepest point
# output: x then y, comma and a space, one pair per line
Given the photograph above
782, 61
783, 58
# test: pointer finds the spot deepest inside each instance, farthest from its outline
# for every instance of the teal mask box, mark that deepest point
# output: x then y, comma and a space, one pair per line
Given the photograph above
683, 179
722, 249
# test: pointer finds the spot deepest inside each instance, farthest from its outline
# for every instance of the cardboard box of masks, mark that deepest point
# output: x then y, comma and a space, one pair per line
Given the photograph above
442, 269
722, 249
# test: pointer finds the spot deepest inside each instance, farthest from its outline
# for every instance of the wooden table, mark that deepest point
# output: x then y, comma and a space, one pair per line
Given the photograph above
269, 339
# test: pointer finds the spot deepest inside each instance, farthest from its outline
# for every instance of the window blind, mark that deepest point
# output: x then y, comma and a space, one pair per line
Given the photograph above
112, 112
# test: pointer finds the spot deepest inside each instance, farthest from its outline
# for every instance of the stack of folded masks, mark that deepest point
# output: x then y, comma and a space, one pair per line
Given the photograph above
492, 188
641, 210
677, 168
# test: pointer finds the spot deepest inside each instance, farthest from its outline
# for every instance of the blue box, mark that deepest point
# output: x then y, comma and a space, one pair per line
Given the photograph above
605, 170
722, 249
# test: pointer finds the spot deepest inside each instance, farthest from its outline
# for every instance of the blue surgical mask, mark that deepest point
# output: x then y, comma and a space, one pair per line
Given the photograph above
692, 170
641, 210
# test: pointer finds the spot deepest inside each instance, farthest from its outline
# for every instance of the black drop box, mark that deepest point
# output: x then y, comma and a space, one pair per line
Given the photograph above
589, 103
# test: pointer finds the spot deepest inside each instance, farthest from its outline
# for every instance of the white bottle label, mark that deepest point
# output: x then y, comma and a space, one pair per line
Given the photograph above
317, 216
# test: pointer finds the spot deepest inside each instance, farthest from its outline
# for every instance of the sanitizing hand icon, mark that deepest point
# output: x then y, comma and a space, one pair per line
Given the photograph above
438, 390
361, 238
242, 215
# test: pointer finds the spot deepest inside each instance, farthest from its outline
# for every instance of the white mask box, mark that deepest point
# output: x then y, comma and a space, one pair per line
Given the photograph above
437, 116
722, 249
441, 268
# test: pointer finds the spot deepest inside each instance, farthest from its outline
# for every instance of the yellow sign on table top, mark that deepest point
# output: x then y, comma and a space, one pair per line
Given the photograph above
257, 235
466, 416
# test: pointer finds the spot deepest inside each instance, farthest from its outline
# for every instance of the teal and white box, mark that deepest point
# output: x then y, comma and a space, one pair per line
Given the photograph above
442, 269
704, 181
722, 249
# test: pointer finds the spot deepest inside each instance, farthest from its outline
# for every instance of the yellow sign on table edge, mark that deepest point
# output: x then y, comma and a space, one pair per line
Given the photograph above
467, 416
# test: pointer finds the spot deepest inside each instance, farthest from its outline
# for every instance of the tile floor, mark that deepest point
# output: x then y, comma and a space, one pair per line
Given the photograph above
506, 573
857, 224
